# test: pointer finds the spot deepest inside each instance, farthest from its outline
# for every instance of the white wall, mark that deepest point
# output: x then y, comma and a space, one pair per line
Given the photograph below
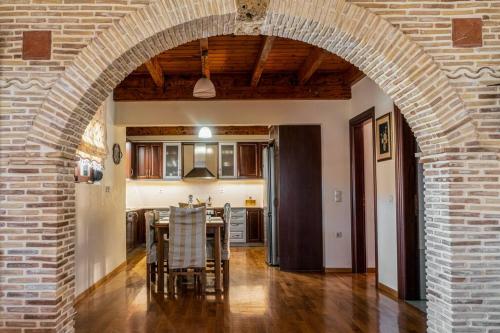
332, 115
157, 194
366, 94
100, 217
369, 194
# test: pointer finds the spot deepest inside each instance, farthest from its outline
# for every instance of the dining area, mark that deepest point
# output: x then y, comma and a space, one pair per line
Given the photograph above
186, 246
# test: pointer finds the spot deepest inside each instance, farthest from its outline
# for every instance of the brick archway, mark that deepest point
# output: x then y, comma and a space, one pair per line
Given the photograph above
399, 66
434, 109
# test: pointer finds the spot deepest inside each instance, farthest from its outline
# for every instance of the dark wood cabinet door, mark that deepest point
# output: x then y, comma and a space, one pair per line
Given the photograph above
142, 160
156, 161
254, 225
248, 160
140, 237
129, 160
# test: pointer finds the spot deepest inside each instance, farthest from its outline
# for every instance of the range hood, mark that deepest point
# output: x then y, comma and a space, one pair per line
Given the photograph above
200, 170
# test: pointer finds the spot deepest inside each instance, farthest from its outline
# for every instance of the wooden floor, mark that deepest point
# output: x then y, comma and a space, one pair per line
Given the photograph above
261, 299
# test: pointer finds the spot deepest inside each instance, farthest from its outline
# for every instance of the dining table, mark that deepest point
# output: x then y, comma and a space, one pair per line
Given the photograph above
214, 225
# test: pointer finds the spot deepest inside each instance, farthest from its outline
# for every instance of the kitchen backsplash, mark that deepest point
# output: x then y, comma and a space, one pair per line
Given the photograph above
149, 194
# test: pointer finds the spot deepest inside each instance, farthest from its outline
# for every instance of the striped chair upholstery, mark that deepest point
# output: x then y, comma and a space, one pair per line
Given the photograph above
225, 249
152, 217
187, 238
150, 238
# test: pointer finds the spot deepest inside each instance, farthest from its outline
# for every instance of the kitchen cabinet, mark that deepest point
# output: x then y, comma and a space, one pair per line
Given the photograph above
238, 225
135, 228
131, 229
227, 160
148, 161
172, 167
129, 159
254, 225
156, 151
249, 160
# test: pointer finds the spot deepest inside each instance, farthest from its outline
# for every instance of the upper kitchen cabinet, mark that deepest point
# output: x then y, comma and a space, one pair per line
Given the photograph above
249, 160
148, 161
129, 159
172, 167
156, 161
227, 160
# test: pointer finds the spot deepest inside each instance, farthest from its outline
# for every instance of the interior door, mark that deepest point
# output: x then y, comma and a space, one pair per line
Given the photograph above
142, 160
248, 160
358, 193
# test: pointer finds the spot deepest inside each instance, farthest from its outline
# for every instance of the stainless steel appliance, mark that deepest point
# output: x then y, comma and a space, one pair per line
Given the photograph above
270, 216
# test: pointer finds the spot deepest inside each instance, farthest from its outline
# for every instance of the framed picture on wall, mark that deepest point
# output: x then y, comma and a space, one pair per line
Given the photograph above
383, 137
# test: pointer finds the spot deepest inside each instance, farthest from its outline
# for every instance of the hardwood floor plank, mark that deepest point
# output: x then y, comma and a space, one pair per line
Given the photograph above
260, 299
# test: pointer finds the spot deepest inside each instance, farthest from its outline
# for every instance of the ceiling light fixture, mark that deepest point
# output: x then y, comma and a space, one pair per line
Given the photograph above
204, 88
205, 133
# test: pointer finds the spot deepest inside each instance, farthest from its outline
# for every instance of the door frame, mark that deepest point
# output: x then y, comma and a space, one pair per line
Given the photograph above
358, 232
407, 280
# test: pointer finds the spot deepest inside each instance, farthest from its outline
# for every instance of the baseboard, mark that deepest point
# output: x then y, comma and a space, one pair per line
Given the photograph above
338, 270
100, 282
371, 270
388, 291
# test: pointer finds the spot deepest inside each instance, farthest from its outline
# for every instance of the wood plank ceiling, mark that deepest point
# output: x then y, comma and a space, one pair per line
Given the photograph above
242, 67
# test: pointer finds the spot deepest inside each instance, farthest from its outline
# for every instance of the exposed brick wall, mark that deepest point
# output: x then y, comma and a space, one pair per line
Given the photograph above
441, 90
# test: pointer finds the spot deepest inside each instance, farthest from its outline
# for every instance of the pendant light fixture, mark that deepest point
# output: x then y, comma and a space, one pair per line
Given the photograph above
204, 87
205, 133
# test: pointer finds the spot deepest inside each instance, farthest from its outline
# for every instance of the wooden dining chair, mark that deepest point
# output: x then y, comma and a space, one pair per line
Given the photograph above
187, 249
226, 246
152, 217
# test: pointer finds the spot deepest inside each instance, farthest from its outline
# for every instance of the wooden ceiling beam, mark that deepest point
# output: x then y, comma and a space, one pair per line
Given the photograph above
205, 69
353, 75
193, 130
312, 63
234, 86
264, 51
156, 72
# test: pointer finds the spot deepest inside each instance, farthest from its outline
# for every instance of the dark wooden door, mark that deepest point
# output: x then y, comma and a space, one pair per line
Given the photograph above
142, 160
407, 210
358, 197
299, 192
248, 160
254, 225
156, 165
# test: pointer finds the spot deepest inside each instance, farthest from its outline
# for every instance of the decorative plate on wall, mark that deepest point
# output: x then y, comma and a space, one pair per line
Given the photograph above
117, 153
